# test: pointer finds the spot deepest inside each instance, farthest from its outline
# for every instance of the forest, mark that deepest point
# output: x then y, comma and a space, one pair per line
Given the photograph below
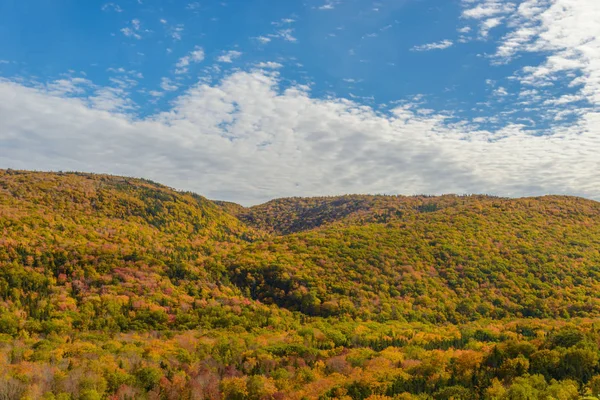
122, 288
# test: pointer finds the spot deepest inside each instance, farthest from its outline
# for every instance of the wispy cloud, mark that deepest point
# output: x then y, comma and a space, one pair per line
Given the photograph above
112, 7
285, 34
329, 5
488, 13
501, 91
195, 6
229, 56
444, 44
194, 57
489, 24
131, 33
269, 65
567, 36
263, 39
112, 99
487, 8
69, 86
177, 31
167, 85
283, 21
133, 30
124, 71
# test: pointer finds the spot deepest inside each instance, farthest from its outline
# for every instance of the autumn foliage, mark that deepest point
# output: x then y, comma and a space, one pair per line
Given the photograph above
121, 288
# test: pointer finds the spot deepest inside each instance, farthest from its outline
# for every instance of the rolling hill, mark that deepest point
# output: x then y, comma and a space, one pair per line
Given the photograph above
292, 215
105, 252
121, 288
462, 258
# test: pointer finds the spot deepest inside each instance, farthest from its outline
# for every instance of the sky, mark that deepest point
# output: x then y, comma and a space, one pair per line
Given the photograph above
250, 100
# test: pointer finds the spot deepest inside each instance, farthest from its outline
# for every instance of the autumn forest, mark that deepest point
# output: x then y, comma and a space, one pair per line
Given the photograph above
121, 288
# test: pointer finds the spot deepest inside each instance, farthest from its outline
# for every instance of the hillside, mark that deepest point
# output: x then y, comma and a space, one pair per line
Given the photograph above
292, 215
121, 288
89, 240
480, 258
104, 252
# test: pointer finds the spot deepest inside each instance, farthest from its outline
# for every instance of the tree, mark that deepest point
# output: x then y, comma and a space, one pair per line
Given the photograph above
234, 388
578, 364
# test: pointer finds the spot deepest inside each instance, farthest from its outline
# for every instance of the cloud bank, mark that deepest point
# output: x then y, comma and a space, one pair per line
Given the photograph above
248, 140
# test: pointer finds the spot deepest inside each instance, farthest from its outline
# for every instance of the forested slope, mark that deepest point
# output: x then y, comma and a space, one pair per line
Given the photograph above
102, 252
480, 257
297, 214
121, 288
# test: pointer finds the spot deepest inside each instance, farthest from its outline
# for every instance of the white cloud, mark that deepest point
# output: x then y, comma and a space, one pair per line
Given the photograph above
246, 139
123, 71
177, 31
129, 32
134, 30
444, 44
269, 65
488, 25
112, 99
564, 99
112, 7
487, 8
501, 91
329, 5
68, 86
567, 34
490, 13
194, 57
263, 39
229, 56
285, 34
284, 21
167, 85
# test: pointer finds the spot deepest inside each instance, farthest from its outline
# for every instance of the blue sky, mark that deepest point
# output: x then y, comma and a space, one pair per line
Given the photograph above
249, 100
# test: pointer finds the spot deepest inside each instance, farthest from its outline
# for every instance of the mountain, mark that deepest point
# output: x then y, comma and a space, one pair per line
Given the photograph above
437, 259
122, 288
103, 252
292, 215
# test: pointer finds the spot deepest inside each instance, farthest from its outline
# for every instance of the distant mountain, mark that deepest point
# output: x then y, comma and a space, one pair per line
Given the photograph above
290, 215
438, 259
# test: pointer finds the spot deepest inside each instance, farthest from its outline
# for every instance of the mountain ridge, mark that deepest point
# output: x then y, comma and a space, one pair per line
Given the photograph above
311, 211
